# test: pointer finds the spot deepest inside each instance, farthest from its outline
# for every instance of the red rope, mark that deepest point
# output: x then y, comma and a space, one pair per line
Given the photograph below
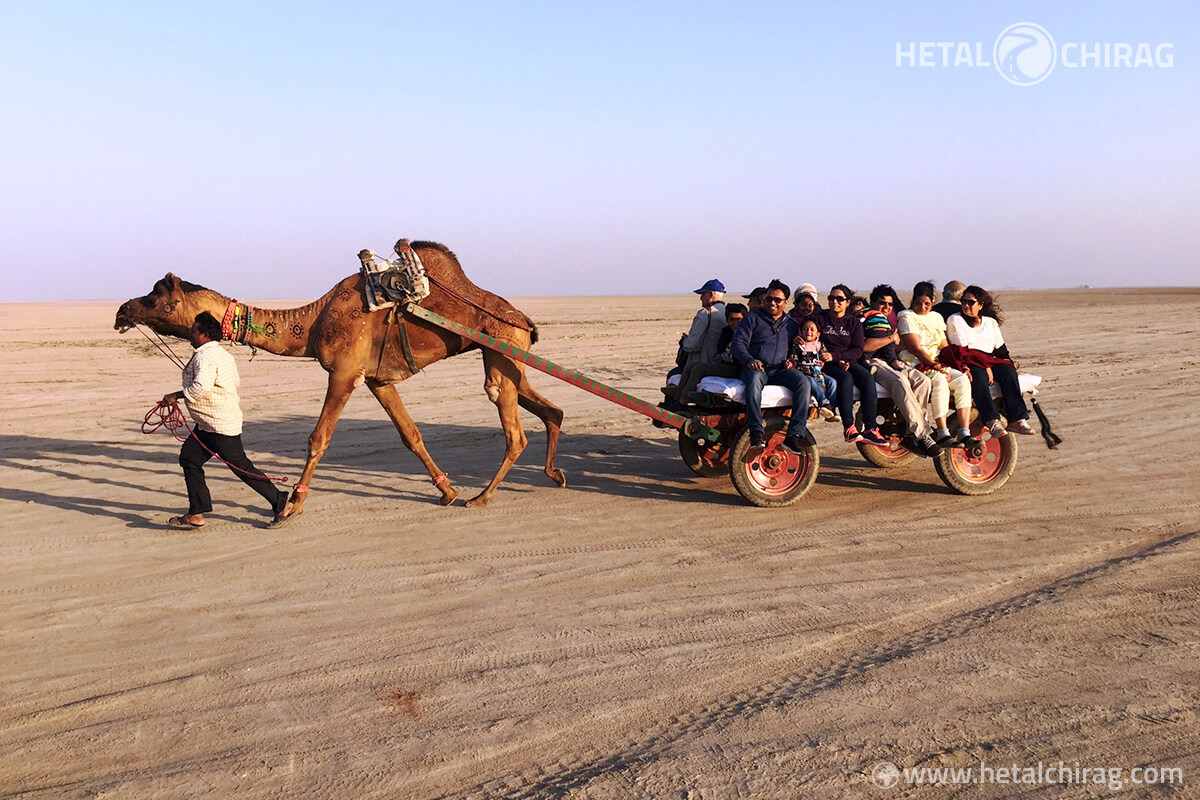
168, 415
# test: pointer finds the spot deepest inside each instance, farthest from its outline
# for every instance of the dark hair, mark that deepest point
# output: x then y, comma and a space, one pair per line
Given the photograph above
846, 290
988, 307
736, 308
884, 290
209, 325
807, 320
923, 289
778, 284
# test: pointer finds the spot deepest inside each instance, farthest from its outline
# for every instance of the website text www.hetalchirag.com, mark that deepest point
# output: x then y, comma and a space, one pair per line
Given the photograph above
887, 775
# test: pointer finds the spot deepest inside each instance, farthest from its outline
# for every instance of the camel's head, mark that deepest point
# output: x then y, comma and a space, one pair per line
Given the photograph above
168, 309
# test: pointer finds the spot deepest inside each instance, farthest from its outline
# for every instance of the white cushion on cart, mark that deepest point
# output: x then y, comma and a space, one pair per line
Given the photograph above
778, 396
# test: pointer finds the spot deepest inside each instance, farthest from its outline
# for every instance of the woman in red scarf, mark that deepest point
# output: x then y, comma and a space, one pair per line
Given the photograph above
977, 328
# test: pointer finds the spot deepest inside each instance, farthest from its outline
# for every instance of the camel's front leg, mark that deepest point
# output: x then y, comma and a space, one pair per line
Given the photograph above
336, 394
389, 398
500, 383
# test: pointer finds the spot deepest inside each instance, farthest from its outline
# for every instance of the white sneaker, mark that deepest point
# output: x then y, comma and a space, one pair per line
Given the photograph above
1021, 426
996, 429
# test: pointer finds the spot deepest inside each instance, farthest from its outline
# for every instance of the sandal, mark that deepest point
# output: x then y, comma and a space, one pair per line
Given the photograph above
183, 522
279, 520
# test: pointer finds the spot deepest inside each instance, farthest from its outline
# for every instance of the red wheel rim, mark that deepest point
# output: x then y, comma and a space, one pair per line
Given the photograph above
984, 468
892, 449
778, 471
715, 455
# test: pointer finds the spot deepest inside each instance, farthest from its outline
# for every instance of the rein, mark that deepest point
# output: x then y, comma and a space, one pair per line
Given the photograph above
163, 347
168, 415
455, 294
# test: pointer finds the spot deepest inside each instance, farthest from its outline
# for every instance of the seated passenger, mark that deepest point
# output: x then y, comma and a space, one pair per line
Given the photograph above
908, 387
805, 356
922, 337
700, 342
977, 327
805, 306
760, 346
842, 335
722, 365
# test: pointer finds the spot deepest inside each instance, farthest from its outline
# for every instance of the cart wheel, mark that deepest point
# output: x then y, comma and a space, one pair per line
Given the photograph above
887, 456
774, 477
892, 426
708, 460
981, 470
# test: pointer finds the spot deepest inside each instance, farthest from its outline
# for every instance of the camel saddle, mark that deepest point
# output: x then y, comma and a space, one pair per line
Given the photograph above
388, 281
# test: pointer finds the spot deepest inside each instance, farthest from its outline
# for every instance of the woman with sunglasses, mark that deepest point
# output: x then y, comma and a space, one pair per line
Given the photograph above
842, 335
922, 337
977, 327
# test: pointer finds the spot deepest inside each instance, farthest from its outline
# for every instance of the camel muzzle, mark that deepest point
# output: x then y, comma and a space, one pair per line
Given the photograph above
123, 321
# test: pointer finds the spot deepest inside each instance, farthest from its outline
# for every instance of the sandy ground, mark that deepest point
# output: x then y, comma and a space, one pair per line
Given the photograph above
642, 633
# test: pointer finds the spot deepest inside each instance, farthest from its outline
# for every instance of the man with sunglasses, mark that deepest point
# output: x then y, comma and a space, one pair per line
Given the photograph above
908, 388
760, 346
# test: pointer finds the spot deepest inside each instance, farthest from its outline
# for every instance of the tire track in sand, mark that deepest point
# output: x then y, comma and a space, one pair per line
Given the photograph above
572, 773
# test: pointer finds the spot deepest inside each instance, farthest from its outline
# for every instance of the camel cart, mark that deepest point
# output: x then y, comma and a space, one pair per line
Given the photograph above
716, 441
980, 469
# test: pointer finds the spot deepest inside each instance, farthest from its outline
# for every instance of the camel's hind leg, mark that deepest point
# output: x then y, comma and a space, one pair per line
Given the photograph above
389, 398
501, 377
336, 394
550, 415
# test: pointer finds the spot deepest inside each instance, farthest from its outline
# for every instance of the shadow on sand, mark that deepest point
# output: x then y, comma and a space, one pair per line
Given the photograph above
366, 457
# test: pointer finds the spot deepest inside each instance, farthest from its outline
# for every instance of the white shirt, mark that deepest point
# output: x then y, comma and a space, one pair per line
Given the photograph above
210, 384
930, 330
985, 337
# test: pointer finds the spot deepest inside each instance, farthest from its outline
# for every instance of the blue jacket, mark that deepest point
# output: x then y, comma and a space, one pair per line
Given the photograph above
760, 337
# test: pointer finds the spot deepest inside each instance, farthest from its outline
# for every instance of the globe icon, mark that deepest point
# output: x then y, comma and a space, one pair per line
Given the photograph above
885, 775
1024, 54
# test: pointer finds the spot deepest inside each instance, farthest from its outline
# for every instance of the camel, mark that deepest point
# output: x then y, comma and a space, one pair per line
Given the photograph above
357, 346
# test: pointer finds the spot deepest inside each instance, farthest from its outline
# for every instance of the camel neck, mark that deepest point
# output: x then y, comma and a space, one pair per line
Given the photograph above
282, 331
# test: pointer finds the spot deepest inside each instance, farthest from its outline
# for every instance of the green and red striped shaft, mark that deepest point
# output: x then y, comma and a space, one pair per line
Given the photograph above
571, 376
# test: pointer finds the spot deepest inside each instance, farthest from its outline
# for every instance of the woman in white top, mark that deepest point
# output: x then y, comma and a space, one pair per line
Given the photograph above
922, 336
977, 327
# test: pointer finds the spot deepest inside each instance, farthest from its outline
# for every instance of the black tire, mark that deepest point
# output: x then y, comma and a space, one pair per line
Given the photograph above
889, 456
981, 472
709, 460
775, 477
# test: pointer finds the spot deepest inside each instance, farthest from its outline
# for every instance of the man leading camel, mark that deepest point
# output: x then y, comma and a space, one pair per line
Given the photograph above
210, 382
760, 345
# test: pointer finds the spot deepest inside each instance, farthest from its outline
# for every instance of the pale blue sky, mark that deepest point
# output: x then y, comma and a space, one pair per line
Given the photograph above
585, 148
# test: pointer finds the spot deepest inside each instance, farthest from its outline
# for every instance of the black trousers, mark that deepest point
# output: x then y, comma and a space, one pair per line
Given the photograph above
1010, 390
193, 456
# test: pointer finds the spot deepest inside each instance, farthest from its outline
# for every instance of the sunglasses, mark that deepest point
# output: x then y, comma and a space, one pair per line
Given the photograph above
837, 298
971, 302
775, 300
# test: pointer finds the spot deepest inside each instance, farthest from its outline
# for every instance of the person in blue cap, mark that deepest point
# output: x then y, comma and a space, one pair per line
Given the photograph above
760, 346
700, 342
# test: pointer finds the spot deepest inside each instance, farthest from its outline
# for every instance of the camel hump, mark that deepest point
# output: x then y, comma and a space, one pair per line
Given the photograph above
444, 270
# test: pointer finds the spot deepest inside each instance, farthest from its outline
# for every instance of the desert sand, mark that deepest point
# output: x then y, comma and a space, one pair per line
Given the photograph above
642, 633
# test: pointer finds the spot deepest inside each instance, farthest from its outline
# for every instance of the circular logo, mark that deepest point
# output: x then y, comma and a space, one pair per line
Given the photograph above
885, 775
1024, 54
